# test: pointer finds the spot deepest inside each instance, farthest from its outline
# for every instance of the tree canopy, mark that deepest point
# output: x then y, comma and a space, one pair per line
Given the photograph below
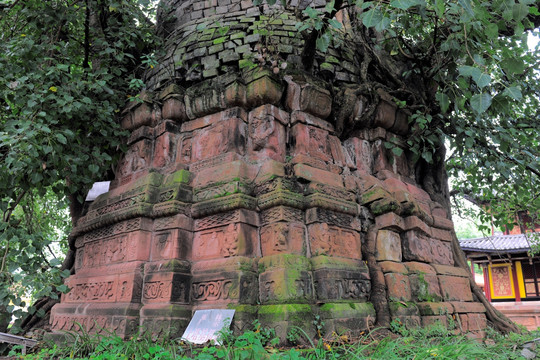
461, 68
66, 68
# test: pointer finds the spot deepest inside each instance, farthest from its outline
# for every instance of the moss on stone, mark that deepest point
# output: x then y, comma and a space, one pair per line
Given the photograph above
330, 262
288, 261
384, 206
402, 308
347, 310
178, 177
294, 313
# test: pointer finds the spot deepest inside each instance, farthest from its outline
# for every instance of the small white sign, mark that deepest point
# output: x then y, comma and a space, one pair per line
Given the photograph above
205, 325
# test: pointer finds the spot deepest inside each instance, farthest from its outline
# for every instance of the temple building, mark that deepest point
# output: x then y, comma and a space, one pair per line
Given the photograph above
511, 272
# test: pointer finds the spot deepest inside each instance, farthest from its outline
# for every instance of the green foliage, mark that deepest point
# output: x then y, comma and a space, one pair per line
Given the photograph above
64, 74
432, 342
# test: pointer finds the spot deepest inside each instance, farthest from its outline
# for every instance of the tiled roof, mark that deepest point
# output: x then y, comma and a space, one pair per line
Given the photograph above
506, 243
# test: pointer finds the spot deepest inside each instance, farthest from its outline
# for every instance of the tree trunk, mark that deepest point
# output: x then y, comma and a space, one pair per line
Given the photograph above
436, 184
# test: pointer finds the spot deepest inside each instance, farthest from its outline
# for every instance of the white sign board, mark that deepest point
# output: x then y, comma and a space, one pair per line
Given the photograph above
205, 325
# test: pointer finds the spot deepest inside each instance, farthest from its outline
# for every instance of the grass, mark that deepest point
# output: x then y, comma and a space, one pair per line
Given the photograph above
434, 342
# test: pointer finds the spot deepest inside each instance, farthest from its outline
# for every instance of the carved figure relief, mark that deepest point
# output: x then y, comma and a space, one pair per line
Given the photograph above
267, 137
335, 241
229, 245
282, 237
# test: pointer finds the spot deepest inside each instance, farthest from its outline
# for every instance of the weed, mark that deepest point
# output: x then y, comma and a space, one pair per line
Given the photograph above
431, 342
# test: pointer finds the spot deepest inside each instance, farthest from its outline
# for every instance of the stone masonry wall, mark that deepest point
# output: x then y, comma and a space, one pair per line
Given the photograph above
236, 192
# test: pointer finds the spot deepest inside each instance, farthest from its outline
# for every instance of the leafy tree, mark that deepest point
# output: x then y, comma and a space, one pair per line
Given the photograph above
65, 69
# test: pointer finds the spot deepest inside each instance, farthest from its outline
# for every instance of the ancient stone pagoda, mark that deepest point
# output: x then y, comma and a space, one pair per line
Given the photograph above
240, 191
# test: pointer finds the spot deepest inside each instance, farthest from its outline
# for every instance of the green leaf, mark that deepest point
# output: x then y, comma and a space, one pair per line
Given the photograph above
323, 42
444, 101
492, 31
482, 80
520, 11
513, 92
397, 151
466, 5
428, 156
61, 138
335, 24
404, 4
469, 71
513, 65
93, 168
440, 7
481, 102
372, 17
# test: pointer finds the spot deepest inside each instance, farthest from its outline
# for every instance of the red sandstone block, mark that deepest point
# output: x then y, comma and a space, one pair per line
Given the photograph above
142, 115
238, 170
312, 174
264, 90
390, 221
166, 287
418, 193
137, 158
232, 113
164, 150
366, 181
337, 151
477, 322
127, 121
267, 136
311, 141
331, 240
234, 239
416, 247
392, 267
414, 223
174, 109
442, 223
223, 137
305, 96
361, 154
388, 246
441, 234
450, 270
268, 170
432, 320
419, 268
425, 287
270, 110
375, 193
235, 95
394, 185
308, 119
183, 150
285, 285
455, 288
468, 307
442, 252
380, 158
171, 244
310, 161
283, 237
435, 308
398, 286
